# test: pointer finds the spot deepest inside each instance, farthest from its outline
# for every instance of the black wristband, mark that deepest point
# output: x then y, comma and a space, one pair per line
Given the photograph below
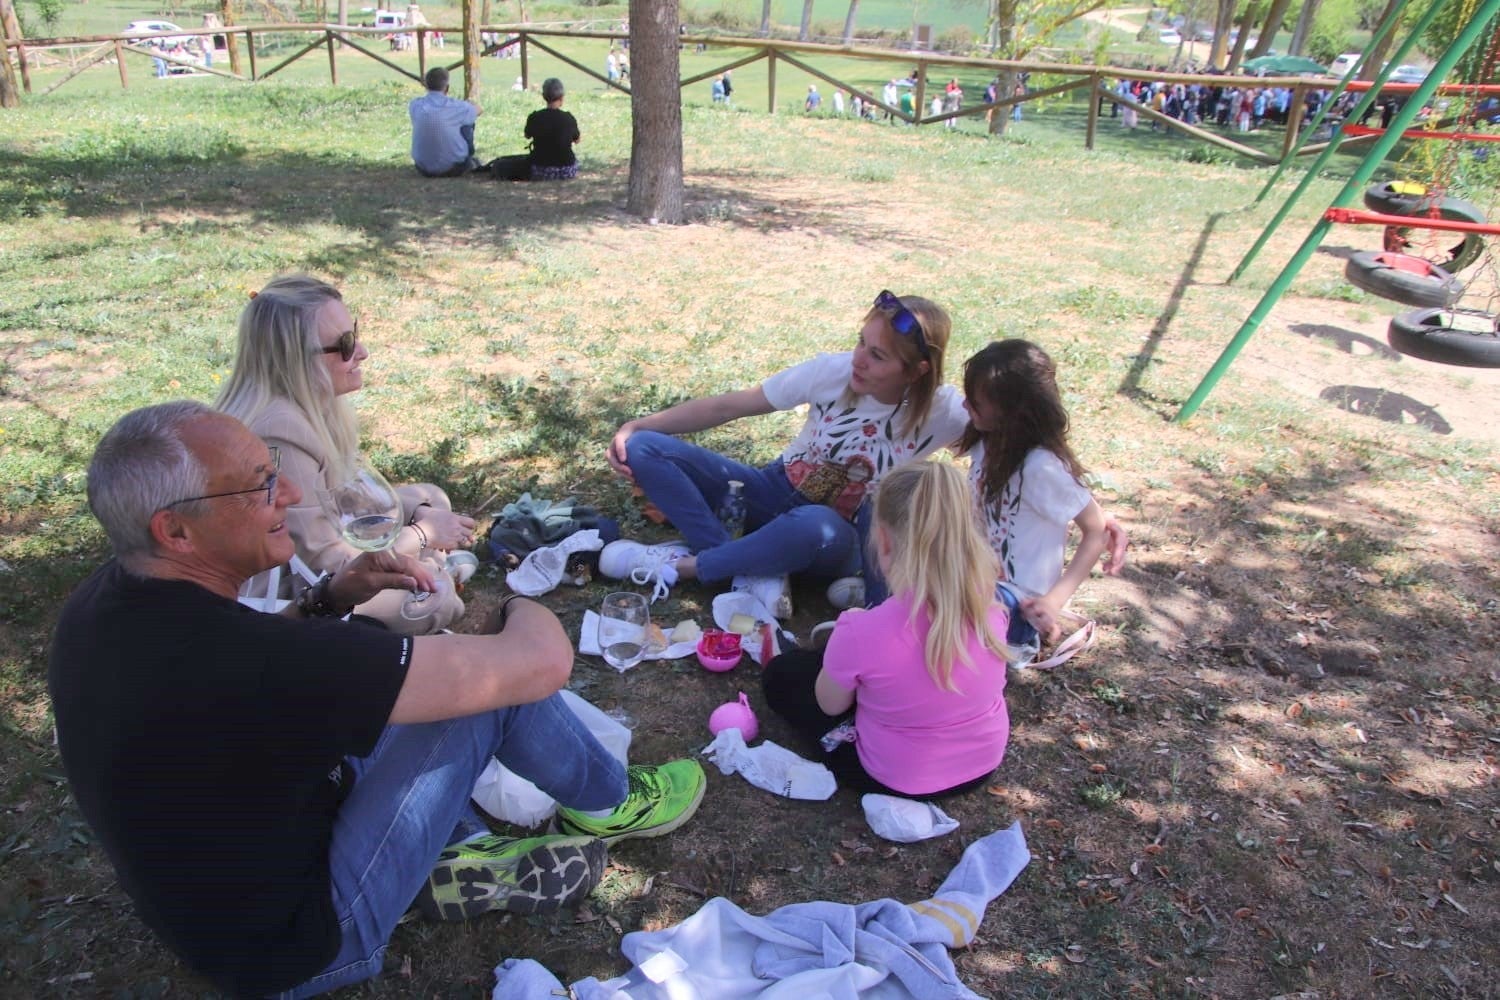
316, 602
504, 608
413, 519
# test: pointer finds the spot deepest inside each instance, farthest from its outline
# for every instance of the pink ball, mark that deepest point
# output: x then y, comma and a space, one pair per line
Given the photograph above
735, 715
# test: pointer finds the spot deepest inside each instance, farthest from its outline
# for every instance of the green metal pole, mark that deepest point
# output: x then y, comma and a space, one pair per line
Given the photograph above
1376, 39
1372, 160
1333, 145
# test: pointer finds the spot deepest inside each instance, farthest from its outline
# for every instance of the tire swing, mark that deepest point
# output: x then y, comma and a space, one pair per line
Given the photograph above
1395, 197
1450, 251
1466, 337
1403, 278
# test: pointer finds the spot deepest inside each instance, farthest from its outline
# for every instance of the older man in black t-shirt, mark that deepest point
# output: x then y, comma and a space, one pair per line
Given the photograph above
274, 792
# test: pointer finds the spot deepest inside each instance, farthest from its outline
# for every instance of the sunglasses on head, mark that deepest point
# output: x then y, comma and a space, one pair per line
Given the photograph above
346, 345
903, 320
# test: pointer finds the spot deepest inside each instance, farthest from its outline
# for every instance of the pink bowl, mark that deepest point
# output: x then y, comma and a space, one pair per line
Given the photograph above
718, 650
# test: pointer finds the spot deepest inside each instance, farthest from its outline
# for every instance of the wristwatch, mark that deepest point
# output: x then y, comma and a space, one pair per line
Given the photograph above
315, 601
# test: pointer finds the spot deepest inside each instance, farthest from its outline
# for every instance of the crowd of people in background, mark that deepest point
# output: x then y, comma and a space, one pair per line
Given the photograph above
1234, 104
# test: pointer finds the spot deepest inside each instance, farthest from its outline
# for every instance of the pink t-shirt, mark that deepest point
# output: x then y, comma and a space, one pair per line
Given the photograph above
912, 735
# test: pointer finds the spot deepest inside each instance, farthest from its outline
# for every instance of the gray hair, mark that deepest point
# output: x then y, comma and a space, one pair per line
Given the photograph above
552, 89
140, 466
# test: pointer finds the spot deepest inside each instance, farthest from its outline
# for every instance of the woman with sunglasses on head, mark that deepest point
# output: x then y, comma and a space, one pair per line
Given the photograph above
298, 359
869, 411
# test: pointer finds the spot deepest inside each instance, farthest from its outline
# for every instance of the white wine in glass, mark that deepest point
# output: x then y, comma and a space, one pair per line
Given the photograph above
367, 511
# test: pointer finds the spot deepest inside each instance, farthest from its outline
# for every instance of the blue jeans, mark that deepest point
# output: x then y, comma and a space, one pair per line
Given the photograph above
784, 533
412, 792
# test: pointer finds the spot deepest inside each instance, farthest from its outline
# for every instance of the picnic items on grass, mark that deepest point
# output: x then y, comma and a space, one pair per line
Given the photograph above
771, 766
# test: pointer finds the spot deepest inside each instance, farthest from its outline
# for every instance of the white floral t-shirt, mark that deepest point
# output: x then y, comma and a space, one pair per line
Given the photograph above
843, 449
1028, 525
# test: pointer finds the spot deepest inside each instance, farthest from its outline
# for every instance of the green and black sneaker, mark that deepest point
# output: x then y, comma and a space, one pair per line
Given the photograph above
521, 875
661, 799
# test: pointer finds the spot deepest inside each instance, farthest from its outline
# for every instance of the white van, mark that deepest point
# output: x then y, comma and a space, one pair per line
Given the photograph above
1343, 64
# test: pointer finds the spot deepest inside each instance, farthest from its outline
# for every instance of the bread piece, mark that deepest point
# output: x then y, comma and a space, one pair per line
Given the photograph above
743, 624
687, 630
656, 639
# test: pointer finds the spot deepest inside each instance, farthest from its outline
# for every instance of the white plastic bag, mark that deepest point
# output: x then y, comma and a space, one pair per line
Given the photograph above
905, 821
742, 602
771, 766
507, 796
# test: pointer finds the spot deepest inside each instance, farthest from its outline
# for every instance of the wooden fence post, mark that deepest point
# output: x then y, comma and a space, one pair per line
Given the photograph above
333, 66
919, 106
771, 81
471, 51
1096, 84
120, 64
250, 48
422, 53
525, 64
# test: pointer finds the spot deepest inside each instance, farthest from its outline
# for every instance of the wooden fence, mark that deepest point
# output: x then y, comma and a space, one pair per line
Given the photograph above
335, 38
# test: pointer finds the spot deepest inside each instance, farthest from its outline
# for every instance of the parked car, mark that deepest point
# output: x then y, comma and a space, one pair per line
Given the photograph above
1343, 64
1169, 36
156, 27
1407, 74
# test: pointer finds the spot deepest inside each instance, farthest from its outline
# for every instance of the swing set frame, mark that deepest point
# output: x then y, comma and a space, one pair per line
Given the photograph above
1340, 209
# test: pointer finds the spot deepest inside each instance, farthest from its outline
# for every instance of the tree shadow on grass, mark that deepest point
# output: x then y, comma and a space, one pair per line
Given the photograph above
389, 208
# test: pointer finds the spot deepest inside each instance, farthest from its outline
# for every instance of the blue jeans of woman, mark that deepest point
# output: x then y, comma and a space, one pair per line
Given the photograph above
411, 793
784, 532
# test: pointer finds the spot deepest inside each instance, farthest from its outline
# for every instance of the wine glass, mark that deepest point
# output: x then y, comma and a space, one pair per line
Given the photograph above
622, 629
367, 511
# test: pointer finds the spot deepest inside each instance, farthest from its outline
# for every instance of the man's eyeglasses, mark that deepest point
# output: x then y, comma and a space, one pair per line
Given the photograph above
903, 320
346, 345
269, 485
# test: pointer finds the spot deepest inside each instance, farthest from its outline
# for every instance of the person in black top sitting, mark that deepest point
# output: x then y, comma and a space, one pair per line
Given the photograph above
552, 132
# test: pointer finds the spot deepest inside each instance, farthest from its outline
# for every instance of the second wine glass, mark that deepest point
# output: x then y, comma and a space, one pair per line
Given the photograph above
367, 510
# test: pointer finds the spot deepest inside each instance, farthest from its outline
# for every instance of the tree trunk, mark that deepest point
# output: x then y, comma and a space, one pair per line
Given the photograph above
655, 113
1000, 117
343, 11
1304, 26
1239, 43
1223, 22
849, 21
806, 20
1274, 17
1376, 58
471, 51
10, 97
765, 18
231, 38
13, 32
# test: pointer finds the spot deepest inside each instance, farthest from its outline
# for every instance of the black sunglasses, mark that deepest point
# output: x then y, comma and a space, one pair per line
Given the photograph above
903, 320
346, 345
269, 485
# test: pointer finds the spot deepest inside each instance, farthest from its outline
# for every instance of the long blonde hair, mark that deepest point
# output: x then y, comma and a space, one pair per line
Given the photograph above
941, 559
936, 326
279, 357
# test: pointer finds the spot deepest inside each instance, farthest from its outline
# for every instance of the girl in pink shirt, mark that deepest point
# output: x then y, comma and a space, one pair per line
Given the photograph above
923, 672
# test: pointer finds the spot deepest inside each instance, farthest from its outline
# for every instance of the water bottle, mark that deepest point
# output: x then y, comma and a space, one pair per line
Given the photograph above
732, 510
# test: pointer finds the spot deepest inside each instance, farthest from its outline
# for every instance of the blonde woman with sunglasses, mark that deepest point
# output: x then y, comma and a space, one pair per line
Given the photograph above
870, 410
298, 359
